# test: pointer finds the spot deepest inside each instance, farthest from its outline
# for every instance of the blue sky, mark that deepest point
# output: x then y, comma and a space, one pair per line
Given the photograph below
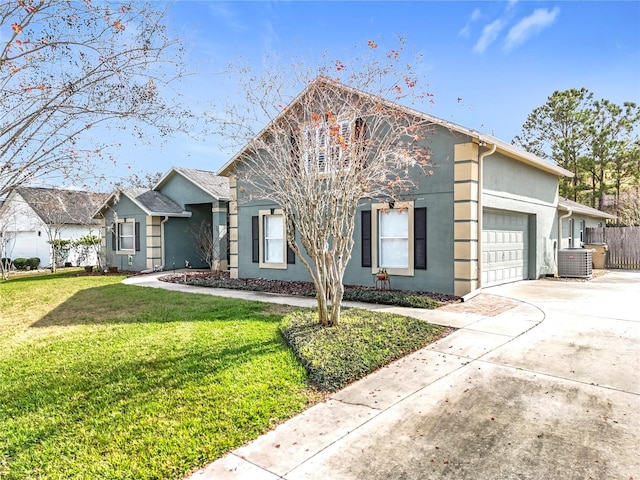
488, 64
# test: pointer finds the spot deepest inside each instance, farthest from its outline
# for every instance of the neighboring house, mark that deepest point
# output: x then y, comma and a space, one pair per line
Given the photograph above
31, 218
157, 228
487, 215
575, 218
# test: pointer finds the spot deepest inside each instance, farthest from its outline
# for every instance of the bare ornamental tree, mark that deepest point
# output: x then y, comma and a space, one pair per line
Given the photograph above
210, 244
322, 154
69, 68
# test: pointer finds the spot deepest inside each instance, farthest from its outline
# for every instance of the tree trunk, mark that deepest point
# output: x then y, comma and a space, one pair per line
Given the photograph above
54, 260
337, 293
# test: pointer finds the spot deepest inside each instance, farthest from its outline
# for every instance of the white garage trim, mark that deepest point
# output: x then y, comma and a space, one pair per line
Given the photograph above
505, 247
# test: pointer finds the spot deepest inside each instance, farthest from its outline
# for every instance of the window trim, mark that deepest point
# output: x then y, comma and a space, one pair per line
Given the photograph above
272, 265
119, 236
375, 239
571, 232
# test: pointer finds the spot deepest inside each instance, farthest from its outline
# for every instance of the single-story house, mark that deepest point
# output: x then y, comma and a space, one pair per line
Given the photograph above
31, 218
488, 214
575, 218
158, 228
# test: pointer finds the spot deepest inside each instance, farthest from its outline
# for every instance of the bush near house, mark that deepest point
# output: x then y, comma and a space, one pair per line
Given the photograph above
20, 263
33, 263
26, 263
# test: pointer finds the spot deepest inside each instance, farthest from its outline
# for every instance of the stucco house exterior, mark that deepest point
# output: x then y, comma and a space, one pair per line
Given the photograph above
574, 219
157, 228
30, 218
489, 214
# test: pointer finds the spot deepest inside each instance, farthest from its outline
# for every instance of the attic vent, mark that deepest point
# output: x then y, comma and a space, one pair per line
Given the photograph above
575, 262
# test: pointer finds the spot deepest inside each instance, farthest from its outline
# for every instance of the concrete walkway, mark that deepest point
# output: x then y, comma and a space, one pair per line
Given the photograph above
541, 381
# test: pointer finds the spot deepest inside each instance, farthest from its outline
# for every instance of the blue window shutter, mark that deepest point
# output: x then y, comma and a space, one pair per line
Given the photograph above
255, 239
114, 237
365, 237
137, 232
420, 238
291, 255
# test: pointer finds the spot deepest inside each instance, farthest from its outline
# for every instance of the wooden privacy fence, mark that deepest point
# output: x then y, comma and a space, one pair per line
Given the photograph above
623, 242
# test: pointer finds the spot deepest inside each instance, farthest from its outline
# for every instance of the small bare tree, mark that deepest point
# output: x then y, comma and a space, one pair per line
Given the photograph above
142, 180
210, 245
340, 141
7, 237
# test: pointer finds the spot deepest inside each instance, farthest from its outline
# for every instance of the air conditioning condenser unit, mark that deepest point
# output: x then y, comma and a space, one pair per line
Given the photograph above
575, 262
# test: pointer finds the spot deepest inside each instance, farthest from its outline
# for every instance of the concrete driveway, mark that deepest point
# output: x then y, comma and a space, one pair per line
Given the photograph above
546, 387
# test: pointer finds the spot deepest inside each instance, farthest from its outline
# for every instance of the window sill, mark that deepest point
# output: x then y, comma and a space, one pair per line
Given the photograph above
273, 266
400, 272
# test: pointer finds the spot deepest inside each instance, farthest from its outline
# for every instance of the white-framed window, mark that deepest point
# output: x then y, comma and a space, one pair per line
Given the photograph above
393, 238
326, 146
273, 239
126, 235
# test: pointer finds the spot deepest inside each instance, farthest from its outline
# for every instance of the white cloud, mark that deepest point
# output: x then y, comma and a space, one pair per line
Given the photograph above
465, 31
489, 34
540, 19
225, 14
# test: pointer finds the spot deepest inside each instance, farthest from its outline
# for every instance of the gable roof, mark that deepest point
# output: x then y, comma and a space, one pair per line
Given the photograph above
151, 202
63, 207
567, 205
501, 146
209, 182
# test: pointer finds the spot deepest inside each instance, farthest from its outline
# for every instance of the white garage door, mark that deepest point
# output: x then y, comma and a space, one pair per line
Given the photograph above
504, 247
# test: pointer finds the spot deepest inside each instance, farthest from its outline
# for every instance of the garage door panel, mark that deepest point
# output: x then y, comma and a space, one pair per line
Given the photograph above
504, 247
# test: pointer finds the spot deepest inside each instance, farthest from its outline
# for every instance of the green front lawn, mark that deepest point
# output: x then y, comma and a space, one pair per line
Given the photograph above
103, 380
100, 380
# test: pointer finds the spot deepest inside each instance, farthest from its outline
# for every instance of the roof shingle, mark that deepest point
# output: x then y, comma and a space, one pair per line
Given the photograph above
64, 207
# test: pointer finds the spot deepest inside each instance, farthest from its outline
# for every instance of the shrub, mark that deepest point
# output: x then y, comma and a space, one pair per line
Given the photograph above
33, 262
20, 263
362, 342
390, 297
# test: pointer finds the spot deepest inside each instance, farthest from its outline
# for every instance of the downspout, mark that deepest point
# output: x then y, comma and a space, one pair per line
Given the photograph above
569, 213
481, 156
166, 217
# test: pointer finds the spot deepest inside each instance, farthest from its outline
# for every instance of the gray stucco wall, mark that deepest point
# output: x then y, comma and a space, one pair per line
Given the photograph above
515, 187
183, 192
576, 233
126, 209
180, 241
435, 192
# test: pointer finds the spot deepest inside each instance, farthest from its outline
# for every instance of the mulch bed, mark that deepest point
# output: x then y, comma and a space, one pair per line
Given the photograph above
306, 289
